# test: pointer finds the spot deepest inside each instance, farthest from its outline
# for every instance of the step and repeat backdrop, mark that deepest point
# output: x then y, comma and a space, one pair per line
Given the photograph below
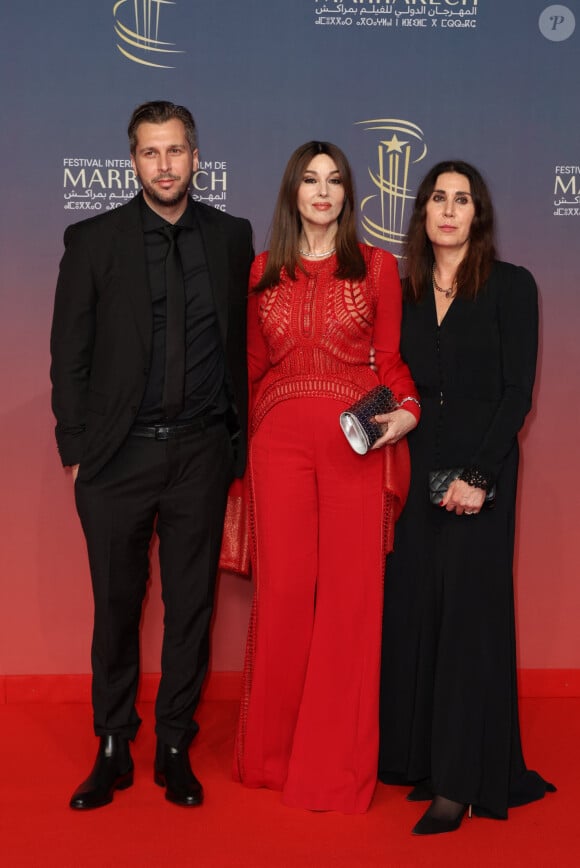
398, 85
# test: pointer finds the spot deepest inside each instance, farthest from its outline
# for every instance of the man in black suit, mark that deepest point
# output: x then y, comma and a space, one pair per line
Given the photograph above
150, 394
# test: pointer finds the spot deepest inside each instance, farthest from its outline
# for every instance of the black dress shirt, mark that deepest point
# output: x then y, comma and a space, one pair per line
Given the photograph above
204, 359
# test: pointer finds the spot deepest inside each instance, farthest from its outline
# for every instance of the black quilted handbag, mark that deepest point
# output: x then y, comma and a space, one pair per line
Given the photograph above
356, 422
440, 480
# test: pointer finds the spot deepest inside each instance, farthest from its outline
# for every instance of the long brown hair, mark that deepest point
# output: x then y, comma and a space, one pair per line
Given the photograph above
286, 223
475, 267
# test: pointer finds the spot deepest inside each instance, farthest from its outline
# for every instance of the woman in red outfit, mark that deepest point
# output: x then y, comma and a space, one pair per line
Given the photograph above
321, 515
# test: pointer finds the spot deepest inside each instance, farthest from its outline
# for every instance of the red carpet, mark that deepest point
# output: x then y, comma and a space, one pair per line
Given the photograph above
47, 748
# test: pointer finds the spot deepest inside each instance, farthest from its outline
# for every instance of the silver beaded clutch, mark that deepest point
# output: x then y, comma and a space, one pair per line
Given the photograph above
357, 422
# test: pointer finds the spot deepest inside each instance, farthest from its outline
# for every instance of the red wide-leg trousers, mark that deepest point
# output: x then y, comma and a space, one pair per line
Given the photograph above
309, 720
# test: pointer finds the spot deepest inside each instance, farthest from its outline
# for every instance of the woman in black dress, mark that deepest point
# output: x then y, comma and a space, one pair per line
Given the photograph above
449, 713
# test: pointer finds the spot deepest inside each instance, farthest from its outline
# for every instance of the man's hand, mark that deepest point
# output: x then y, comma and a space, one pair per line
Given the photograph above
75, 471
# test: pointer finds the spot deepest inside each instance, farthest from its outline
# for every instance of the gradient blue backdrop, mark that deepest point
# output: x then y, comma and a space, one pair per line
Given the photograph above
261, 77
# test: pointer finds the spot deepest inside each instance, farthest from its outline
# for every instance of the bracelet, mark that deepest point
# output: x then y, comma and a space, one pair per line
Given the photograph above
474, 477
410, 398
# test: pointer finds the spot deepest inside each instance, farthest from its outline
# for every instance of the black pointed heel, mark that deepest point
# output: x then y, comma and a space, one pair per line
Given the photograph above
430, 825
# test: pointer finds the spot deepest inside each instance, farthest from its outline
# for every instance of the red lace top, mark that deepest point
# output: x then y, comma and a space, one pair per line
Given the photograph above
312, 336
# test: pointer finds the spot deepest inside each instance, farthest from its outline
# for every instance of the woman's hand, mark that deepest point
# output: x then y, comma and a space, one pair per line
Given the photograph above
463, 499
395, 425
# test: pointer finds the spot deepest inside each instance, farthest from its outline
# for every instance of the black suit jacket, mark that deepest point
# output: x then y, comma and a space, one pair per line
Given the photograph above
102, 328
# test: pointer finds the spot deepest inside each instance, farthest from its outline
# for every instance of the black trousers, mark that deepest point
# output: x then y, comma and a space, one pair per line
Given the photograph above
178, 487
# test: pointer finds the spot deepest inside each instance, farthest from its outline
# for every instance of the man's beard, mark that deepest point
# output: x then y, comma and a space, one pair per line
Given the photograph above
174, 199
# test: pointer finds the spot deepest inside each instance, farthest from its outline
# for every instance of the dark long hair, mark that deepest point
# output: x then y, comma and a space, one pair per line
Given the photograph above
475, 267
286, 224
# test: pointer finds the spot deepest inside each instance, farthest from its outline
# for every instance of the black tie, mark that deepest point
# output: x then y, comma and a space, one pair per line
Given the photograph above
175, 327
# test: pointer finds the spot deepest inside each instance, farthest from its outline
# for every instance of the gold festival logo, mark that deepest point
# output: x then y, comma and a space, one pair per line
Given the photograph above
400, 147
140, 36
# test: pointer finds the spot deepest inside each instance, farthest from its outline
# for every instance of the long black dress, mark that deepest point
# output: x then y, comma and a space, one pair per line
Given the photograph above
449, 712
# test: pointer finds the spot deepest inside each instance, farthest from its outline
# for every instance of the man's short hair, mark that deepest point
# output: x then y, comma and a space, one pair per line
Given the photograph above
158, 112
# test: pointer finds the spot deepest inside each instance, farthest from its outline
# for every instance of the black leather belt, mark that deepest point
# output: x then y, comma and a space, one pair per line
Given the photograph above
170, 432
